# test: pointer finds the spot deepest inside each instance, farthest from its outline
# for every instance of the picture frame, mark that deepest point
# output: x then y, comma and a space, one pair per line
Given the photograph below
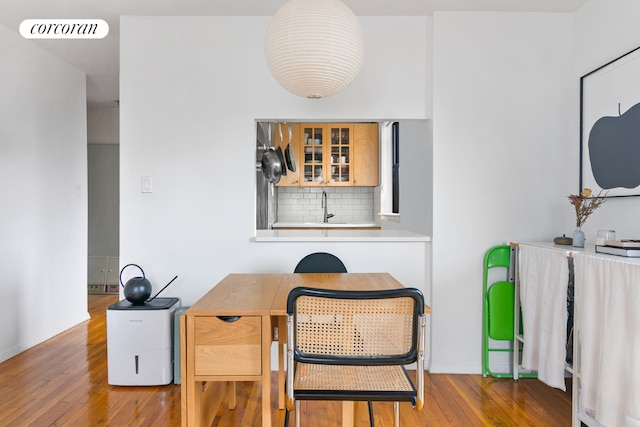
610, 127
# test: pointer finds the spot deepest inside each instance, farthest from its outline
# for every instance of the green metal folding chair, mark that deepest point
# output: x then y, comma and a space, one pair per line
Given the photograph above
498, 310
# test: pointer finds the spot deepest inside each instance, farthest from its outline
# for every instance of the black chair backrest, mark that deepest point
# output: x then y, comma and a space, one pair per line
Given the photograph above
320, 262
366, 327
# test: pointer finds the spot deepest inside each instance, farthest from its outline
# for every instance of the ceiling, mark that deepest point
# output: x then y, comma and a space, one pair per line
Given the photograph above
99, 59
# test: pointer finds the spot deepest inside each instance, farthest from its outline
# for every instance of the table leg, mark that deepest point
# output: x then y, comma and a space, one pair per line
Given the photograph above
282, 341
209, 396
184, 392
199, 400
266, 371
231, 394
348, 413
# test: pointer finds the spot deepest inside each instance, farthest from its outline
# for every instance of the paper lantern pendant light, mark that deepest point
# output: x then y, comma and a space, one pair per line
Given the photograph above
314, 48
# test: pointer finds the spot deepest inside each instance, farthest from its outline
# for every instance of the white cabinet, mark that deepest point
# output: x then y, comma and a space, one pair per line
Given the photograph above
605, 305
103, 274
113, 274
97, 270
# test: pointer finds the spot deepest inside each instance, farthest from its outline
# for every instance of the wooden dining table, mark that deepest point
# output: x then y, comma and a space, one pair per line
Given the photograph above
226, 336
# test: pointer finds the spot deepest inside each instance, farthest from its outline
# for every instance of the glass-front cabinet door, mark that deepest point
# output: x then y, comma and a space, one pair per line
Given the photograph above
339, 161
327, 154
313, 143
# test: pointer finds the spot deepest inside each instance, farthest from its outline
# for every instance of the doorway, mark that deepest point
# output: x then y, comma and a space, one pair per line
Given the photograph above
103, 183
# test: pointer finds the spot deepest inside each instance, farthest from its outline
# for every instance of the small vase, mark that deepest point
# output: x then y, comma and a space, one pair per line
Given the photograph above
578, 238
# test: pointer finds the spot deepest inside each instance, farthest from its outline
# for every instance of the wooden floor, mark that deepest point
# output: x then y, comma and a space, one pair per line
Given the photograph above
63, 382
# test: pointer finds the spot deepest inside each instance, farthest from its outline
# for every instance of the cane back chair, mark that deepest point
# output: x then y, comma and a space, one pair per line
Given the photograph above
354, 346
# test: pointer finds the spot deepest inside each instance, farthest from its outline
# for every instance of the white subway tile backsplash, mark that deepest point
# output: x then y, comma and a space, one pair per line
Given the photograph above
347, 204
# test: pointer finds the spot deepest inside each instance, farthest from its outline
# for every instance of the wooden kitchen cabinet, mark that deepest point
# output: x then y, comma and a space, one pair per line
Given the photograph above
366, 157
328, 154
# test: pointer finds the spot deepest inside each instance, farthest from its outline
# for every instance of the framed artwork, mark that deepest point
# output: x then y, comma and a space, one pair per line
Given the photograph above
610, 127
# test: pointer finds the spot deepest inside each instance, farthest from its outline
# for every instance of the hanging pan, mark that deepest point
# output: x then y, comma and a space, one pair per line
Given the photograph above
290, 158
283, 166
271, 165
280, 153
289, 155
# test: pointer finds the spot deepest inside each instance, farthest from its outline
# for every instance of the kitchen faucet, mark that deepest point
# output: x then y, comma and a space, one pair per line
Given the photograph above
324, 206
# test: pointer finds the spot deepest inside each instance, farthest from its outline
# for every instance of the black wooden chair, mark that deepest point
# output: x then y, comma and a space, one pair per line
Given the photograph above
354, 346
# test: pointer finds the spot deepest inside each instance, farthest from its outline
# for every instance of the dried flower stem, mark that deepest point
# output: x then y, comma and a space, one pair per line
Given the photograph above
585, 206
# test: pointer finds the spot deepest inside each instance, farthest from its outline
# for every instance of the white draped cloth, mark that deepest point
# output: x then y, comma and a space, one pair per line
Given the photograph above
607, 301
544, 276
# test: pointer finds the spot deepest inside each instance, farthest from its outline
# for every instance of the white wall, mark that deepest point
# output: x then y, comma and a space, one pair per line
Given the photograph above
43, 188
500, 127
191, 90
506, 147
603, 31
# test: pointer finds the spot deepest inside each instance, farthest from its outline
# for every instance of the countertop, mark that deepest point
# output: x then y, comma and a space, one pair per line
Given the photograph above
324, 225
321, 235
588, 250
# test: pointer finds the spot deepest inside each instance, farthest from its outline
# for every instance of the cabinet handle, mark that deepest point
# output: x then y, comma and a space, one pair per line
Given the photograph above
229, 319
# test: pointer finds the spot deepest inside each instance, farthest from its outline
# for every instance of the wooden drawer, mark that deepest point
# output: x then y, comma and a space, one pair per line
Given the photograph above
228, 348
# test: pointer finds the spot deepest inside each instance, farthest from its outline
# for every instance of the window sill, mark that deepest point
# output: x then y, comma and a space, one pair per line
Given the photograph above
393, 217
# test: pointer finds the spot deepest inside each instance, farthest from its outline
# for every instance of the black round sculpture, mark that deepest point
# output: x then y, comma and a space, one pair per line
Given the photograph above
137, 289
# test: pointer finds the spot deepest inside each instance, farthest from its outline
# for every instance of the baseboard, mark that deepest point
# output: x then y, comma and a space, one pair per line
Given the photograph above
442, 368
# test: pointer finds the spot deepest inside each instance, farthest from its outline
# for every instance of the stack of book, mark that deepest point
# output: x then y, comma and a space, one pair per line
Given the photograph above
628, 248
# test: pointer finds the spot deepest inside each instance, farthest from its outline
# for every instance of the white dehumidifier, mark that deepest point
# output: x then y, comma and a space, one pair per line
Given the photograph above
140, 342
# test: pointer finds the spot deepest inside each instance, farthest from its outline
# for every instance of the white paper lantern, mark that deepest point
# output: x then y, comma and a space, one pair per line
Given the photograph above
314, 48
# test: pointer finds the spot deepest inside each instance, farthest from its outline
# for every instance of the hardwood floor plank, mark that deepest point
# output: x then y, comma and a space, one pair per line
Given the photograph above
63, 382
444, 394
485, 409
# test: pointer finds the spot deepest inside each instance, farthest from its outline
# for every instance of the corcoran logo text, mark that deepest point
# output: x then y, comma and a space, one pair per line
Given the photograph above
64, 29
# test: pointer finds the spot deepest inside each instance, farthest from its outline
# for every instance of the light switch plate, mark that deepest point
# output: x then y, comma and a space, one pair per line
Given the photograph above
147, 184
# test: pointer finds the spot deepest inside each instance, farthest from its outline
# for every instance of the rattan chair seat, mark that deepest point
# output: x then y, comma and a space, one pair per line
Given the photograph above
310, 376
